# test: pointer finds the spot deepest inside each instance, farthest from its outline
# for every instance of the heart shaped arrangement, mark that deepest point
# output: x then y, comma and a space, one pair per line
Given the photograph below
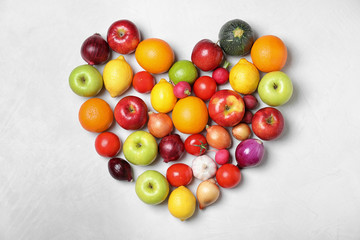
183, 104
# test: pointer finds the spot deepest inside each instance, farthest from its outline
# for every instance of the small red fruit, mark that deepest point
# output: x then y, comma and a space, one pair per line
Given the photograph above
204, 87
228, 176
196, 144
107, 144
179, 174
143, 82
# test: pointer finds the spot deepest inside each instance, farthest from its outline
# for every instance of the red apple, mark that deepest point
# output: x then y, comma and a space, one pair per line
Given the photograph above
131, 113
268, 123
123, 36
226, 108
207, 55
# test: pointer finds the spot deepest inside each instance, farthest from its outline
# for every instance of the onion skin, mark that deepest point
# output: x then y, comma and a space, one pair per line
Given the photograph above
159, 124
171, 148
249, 153
218, 137
207, 193
250, 102
241, 131
95, 50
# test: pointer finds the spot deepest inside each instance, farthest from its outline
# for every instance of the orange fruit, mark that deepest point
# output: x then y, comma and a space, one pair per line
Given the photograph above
269, 53
95, 115
154, 55
190, 115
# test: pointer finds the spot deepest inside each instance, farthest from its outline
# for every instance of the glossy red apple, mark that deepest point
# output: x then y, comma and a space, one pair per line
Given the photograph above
226, 108
123, 36
131, 113
207, 55
268, 123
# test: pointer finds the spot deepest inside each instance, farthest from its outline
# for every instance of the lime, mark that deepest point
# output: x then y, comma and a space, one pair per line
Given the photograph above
183, 70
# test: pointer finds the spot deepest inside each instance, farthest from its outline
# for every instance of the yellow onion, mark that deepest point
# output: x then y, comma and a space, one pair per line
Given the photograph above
218, 137
159, 124
207, 193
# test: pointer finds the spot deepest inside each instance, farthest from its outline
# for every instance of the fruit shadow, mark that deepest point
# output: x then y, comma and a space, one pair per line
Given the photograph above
289, 58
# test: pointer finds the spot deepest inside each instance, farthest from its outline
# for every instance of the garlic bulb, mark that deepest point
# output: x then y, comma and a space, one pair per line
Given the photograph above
207, 193
204, 167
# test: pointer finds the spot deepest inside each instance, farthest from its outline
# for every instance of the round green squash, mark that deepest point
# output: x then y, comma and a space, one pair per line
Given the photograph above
236, 37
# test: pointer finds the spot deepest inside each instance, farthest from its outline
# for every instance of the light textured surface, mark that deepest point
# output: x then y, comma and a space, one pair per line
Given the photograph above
53, 185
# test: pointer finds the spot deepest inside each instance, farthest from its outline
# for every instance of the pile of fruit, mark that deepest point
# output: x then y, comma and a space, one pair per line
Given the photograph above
186, 103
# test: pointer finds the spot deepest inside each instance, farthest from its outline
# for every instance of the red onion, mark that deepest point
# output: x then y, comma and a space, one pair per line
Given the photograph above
249, 153
95, 50
171, 147
247, 117
120, 169
250, 102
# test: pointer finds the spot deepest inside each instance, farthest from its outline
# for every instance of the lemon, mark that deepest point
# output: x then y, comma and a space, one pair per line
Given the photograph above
162, 96
182, 203
117, 76
244, 77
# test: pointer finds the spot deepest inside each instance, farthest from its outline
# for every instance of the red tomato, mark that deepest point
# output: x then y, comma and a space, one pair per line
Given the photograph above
179, 174
196, 144
204, 87
143, 82
107, 144
228, 175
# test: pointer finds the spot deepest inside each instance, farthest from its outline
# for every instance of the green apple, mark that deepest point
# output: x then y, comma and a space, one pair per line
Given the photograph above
86, 81
140, 148
275, 88
152, 187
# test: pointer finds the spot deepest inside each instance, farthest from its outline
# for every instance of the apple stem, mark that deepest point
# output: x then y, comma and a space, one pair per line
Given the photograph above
226, 64
269, 120
187, 92
121, 32
275, 86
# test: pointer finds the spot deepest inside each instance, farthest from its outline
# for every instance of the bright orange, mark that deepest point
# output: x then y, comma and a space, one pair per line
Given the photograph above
154, 55
190, 115
269, 53
95, 115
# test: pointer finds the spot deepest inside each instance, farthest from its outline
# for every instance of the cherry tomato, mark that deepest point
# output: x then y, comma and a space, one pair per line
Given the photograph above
179, 174
204, 87
228, 176
196, 144
143, 82
107, 144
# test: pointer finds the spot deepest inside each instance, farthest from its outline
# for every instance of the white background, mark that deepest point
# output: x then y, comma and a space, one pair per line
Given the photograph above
53, 185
